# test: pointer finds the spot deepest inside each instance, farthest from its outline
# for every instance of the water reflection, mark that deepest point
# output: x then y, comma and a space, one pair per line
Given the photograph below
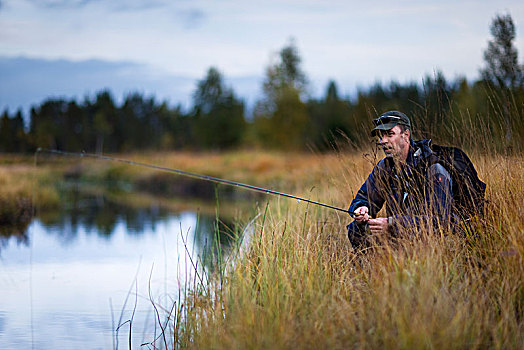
97, 213
66, 279
13, 232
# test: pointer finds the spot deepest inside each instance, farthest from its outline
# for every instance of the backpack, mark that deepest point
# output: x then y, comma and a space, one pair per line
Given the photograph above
468, 190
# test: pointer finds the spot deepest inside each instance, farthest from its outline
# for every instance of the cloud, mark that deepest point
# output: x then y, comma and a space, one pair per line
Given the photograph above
136, 5
115, 5
59, 4
192, 18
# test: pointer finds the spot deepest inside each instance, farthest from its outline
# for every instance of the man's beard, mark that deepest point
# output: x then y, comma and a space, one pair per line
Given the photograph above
389, 154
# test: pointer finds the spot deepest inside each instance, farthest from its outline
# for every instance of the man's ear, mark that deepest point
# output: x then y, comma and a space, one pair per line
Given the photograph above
407, 132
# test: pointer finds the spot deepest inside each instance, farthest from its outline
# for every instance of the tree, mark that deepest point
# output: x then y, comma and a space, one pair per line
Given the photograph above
281, 118
209, 93
104, 119
501, 57
331, 120
503, 70
18, 130
47, 124
177, 127
6, 140
138, 121
219, 115
437, 93
78, 129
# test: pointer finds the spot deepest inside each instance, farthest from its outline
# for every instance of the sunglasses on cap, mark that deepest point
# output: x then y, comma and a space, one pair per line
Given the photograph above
388, 119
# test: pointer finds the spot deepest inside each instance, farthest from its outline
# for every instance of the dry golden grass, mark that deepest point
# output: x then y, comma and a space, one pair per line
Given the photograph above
21, 185
301, 285
253, 167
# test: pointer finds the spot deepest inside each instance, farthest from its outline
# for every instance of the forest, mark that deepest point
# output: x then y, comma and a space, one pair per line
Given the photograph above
487, 113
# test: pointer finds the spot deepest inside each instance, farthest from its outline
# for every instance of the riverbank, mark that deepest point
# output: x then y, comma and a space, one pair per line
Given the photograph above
28, 181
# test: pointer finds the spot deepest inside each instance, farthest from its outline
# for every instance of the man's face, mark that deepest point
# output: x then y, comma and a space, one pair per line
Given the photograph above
395, 143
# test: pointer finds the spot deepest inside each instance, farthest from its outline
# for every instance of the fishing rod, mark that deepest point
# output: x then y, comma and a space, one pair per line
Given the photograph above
188, 174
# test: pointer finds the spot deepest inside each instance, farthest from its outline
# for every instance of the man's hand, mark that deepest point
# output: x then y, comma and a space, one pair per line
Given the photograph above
361, 215
378, 226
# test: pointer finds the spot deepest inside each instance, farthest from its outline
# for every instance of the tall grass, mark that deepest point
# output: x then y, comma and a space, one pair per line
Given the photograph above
301, 285
18, 191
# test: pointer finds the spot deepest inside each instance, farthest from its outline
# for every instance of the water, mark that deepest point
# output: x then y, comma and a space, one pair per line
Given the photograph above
74, 275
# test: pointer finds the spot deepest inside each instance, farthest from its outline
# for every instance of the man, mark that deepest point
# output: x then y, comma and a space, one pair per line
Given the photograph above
416, 189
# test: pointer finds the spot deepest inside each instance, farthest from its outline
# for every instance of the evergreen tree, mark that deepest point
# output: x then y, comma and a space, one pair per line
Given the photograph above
219, 115
104, 114
436, 101
47, 128
281, 118
179, 129
75, 125
6, 141
18, 131
501, 57
136, 118
331, 120
504, 73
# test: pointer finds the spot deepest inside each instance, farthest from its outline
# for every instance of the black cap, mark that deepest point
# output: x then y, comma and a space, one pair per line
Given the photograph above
389, 120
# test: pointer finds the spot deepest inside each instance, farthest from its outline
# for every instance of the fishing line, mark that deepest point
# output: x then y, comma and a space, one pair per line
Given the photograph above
188, 174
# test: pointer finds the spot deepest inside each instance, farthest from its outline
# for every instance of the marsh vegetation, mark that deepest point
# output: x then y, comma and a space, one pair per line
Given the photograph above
301, 285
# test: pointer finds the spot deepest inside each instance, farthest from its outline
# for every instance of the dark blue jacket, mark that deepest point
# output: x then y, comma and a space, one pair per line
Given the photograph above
419, 193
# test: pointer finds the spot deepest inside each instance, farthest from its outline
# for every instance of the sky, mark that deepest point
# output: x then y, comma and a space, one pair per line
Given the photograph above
75, 48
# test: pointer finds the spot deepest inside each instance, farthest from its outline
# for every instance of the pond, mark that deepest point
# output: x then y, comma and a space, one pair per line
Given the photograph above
91, 274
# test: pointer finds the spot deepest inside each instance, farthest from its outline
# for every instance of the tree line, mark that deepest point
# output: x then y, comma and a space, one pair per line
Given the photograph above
487, 113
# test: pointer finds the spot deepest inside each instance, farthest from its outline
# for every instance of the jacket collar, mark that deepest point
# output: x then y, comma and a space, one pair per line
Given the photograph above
419, 151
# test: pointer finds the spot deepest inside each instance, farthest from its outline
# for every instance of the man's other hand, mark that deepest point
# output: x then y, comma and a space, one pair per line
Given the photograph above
378, 226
